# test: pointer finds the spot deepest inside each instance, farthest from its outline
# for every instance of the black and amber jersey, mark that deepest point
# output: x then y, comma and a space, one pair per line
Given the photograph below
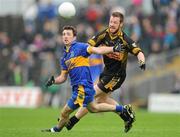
115, 63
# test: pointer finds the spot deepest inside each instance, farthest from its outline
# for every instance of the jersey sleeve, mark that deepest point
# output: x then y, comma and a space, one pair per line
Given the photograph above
96, 40
84, 50
132, 46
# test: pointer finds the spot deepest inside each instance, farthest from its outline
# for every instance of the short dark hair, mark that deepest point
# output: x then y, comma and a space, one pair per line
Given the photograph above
119, 15
70, 28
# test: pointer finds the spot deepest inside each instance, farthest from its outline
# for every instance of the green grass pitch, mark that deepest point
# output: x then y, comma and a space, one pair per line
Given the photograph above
29, 122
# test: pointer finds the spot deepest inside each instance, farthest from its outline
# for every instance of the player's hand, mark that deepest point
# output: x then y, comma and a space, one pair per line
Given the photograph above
50, 81
142, 65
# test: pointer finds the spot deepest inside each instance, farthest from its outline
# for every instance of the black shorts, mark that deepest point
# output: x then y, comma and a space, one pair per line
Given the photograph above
109, 83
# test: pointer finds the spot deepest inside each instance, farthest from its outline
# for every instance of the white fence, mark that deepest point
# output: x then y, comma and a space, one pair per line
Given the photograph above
164, 103
27, 97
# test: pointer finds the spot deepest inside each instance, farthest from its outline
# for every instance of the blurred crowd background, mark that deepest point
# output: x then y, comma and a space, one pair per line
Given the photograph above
31, 45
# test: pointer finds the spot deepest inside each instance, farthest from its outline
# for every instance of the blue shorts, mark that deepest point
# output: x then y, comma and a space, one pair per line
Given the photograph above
81, 96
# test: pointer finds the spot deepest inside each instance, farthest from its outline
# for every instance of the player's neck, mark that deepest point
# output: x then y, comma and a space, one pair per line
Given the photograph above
67, 47
116, 33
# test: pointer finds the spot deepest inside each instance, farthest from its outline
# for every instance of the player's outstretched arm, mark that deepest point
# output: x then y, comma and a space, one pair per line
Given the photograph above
61, 78
58, 80
141, 60
104, 49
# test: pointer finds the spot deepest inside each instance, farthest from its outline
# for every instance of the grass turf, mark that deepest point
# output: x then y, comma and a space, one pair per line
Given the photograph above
29, 122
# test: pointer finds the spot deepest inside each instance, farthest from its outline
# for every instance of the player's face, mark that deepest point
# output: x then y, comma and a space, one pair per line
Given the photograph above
114, 24
68, 37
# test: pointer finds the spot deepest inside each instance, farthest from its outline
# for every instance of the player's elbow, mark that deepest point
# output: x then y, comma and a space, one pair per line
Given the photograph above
64, 79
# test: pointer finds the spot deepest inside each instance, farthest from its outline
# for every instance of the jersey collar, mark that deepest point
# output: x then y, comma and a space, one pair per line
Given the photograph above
119, 33
67, 48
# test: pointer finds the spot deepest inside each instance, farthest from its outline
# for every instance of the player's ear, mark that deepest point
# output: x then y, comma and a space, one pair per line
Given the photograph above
74, 38
121, 24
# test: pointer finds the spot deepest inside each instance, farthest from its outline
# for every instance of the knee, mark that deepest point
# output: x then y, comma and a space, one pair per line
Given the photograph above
64, 115
100, 99
93, 109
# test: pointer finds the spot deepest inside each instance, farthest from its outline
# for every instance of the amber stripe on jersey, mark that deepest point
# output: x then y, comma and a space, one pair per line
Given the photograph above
77, 62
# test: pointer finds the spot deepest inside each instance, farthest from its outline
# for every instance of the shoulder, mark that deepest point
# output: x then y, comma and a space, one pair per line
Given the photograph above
125, 35
102, 32
100, 35
79, 45
127, 38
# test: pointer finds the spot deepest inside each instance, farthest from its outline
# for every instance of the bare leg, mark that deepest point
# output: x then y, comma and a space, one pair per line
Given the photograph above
101, 107
102, 97
64, 116
82, 111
